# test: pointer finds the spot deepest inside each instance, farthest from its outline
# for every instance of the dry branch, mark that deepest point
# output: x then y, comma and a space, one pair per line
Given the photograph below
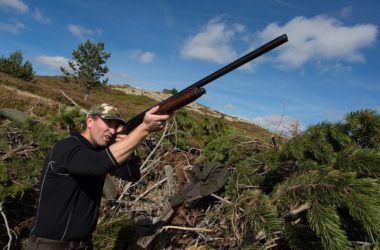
196, 229
150, 189
73, 102
19, 149
8, 246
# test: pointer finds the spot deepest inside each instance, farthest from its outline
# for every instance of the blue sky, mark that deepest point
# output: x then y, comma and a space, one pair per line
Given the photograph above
329, 67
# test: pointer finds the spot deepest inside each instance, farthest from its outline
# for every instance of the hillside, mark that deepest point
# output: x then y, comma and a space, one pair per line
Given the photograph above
45, 93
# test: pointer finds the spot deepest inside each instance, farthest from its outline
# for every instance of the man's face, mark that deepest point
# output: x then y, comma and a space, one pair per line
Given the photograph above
102, 131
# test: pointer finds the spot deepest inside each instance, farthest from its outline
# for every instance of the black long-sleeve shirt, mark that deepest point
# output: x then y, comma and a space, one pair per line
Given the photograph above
71, 188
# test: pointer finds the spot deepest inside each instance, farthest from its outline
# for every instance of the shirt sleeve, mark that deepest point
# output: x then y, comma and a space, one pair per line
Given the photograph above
130, 170
83, 161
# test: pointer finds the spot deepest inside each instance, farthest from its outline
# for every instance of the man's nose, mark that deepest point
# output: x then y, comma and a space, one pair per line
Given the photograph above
112, 130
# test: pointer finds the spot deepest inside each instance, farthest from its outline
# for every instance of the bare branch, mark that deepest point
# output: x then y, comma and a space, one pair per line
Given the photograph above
8, 246
73, 102
165, 228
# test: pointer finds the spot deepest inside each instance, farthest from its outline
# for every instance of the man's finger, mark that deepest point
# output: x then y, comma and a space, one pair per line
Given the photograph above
153, 110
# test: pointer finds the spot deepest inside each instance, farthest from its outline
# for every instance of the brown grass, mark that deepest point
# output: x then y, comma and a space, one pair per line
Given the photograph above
49, 87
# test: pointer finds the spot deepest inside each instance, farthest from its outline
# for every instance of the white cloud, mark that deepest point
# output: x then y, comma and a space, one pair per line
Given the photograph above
320, 38
120, 78
83, 32
345, 12
141, 56
13, 28
230, 106
146, 57
39, 16
53, 62
213, 43
17, 5
279, 124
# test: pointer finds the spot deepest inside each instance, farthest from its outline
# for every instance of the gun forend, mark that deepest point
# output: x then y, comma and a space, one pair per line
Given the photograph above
178, 101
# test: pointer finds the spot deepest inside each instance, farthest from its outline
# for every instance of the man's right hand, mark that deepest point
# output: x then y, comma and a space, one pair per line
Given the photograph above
153, 122
125, 145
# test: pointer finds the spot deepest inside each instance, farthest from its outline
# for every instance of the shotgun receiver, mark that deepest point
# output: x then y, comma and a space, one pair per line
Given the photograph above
195, 90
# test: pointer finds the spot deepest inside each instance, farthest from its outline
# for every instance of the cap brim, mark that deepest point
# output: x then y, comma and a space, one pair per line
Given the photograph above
116, 118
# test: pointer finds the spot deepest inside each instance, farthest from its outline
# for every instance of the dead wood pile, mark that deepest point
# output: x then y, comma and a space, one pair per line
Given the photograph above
163, 173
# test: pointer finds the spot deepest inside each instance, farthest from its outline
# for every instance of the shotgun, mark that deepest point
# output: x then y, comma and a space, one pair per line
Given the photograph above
196, 90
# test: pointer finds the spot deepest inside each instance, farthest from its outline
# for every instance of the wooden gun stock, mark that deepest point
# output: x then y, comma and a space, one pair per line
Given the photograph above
176, 102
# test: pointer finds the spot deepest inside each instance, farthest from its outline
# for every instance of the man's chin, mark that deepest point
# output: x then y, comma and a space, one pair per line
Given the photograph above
103, 143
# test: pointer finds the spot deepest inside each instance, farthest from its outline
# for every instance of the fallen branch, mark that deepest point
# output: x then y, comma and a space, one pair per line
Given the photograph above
8, 246
73, 102
196, 229
296, 211
15, 151
226, 201
150, 189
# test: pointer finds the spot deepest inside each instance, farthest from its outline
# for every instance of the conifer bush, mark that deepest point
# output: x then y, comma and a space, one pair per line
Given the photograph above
15, 66
191, 132
321, 189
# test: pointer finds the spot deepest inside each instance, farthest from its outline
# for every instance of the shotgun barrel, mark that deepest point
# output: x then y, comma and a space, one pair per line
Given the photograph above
194, 91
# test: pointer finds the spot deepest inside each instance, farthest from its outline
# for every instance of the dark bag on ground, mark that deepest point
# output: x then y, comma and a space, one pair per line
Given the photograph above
207, 178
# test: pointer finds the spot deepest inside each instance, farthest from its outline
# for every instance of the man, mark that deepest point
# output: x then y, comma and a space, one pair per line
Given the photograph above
73, 176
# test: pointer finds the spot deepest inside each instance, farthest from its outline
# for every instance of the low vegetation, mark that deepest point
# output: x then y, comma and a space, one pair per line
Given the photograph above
318, 190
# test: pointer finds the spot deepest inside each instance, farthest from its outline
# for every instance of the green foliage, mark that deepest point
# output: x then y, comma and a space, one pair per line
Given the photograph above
365, 162
71, 119
14, 66
172, 91
261, 213
115, 233
260, 216
319, 144
325, 221
89, 66
197, 133
20, 172
232, 149
363, 127
322, 186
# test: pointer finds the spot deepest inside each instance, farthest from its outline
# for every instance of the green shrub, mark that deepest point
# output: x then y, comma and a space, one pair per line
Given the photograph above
14, 66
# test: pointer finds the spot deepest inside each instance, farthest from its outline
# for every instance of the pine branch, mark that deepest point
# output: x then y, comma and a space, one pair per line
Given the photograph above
325, 221
363, 203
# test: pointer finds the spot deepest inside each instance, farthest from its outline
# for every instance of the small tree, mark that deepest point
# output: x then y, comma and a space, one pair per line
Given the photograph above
172, 91
14, 66
89, 66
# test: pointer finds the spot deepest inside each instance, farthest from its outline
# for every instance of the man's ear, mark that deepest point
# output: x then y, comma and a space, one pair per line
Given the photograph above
89, 122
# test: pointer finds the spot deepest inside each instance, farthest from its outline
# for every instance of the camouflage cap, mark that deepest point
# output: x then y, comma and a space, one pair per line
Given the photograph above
106, 111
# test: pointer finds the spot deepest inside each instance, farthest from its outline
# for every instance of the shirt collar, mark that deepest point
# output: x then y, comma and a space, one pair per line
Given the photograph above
85, 141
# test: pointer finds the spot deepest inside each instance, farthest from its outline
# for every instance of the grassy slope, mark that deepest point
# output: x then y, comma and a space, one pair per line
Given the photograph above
25, 96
